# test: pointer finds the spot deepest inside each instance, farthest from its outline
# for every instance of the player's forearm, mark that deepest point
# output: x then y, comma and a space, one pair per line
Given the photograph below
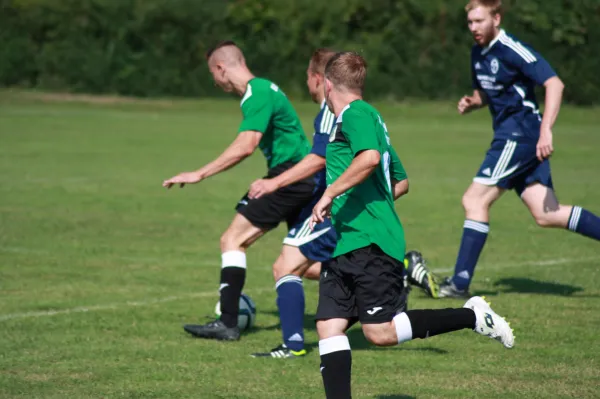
554, 91
231, 157
361, 167
307, 167
400, 188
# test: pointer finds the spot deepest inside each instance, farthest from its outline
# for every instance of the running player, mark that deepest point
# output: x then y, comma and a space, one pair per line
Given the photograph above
270, 123
364, 279
505, 73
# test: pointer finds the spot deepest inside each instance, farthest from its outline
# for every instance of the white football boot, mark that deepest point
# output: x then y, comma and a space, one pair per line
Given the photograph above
489, 323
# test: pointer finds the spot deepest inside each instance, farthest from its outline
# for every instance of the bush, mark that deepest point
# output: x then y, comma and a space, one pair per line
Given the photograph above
415, 49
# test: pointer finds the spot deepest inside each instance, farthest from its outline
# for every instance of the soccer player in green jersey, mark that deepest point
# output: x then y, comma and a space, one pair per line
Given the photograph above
364, 281
271, 124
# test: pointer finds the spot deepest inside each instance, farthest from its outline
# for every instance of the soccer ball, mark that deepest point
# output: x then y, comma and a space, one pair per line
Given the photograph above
247, 314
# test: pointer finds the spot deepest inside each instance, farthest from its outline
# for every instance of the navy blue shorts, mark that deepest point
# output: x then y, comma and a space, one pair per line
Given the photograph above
317, 244
511, 165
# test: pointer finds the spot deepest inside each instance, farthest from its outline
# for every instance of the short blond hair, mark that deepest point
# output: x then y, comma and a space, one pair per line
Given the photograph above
347, 70
495, 6
319, 60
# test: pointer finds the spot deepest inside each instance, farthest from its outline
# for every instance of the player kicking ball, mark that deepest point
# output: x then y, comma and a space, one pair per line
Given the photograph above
304, 248
505, 73
271, 124
364, 279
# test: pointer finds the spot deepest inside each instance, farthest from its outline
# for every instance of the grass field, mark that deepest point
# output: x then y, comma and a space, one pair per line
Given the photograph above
100, 266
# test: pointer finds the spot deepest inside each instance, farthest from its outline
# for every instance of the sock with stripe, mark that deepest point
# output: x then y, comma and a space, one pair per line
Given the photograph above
473, 239
584, 223
425, 323
336, 366
290, 302
233, 276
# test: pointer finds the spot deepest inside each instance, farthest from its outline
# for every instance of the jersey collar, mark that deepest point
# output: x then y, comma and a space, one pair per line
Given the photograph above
501, 34
323, 104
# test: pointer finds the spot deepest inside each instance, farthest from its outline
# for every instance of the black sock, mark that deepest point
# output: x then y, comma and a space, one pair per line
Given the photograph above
232, 282
336, 367
430, 322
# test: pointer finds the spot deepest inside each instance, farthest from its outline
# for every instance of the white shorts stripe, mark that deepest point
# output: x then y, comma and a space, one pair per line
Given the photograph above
503, 161
299, 241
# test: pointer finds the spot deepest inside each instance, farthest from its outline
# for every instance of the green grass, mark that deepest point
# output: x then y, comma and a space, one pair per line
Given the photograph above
85, 224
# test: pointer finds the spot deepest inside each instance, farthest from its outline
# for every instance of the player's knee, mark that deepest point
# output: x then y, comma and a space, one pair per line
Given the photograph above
473, 203
546, 219
328, 328
380, 334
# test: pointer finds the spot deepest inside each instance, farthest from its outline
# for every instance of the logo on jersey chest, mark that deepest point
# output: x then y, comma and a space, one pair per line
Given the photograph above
494, 66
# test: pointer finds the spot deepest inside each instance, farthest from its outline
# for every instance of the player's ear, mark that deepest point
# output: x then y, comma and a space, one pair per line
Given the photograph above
497, 19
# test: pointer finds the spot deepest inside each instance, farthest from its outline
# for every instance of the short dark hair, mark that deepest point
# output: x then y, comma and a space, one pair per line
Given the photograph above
219, 45
319, 60
347, 69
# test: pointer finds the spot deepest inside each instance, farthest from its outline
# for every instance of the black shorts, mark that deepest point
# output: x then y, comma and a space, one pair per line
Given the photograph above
284, 204
365, 284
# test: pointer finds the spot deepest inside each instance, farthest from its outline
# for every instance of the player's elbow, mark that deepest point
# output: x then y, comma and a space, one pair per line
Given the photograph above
371, 158
555, 83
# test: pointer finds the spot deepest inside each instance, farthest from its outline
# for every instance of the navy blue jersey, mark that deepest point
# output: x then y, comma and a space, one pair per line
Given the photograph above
323, 124
507, 71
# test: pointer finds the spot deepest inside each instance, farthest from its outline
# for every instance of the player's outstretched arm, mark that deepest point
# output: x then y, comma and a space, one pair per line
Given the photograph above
472, 103
308, 166
554, 92
241, 148
361, 167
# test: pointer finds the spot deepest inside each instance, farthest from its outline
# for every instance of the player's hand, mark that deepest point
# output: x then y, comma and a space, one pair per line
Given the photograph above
465, 104
544, 146
321, 211
262, 187
182, 179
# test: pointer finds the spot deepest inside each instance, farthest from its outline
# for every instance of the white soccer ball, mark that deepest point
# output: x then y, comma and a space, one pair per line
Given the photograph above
247, 314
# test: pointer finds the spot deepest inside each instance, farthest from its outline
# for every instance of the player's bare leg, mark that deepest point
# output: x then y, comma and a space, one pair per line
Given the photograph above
313, 272
549, 212
477, 202
240, 235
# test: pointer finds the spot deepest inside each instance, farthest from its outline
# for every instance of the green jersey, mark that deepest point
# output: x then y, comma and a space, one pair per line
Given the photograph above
266, 109
365, 214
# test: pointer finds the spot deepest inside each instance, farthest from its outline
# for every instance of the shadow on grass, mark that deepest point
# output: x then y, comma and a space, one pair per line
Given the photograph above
395, 397
529, 286
355, 335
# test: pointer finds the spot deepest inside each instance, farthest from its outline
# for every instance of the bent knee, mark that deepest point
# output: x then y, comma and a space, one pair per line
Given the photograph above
472, 202
548, 220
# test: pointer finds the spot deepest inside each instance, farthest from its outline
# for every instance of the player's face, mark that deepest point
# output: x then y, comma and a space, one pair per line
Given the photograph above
220, 76
483, 25
313, 82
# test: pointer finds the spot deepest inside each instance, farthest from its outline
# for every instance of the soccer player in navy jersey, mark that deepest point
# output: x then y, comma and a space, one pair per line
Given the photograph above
303, 249
505, 73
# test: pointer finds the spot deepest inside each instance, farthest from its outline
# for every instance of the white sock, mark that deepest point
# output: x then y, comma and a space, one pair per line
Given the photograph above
233, 259
403, 328
334, 344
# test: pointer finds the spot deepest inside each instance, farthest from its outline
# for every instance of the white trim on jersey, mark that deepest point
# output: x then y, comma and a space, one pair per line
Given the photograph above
339, 118
326, 121
518, 48
247, 94
526, 103
489, 46
306, 238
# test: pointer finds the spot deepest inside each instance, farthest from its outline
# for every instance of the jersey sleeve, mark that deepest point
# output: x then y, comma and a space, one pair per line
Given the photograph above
397, 171
257, 110
531, 64
359, 130
320, 141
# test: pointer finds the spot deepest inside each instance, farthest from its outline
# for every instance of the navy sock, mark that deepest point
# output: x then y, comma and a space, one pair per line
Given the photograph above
471, 245
290, 302
584, 223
